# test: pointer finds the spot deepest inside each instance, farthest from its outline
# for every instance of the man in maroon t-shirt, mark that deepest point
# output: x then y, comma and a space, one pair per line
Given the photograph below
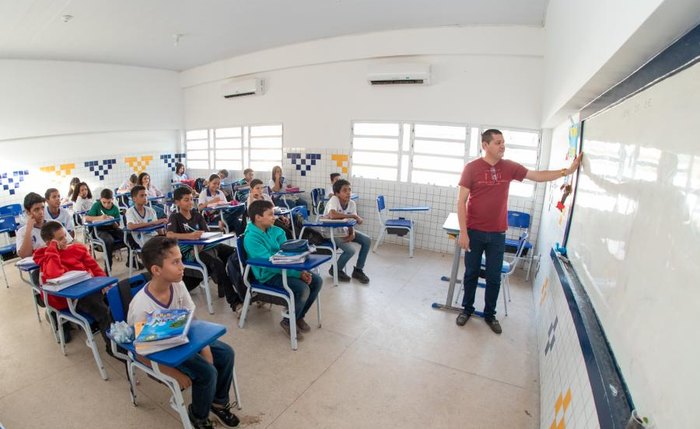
482, 208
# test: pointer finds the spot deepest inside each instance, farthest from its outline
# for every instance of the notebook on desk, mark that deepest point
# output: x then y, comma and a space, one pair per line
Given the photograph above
69, 278
212, 234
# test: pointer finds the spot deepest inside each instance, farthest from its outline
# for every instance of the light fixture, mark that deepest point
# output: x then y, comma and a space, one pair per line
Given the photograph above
66, 18
176, 38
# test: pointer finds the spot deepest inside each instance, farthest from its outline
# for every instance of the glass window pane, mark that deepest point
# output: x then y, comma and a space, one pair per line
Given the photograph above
365, 143
266, 155
228, 143
197, 144
371, 129
438, 163
520, 189
524, 138
381, 173
523, 156
433, 178
193, 164
228, 164
406, 144
197, 154
228, 154
196, 134
439, 148
375, 158
266, 130
266, 142
441, 132
227, 132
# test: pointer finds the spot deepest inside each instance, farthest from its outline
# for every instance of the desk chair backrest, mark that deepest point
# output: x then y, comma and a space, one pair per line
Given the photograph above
8, 223
519, 221
13, 210
119, 297
381, 206
317, 196
522, 241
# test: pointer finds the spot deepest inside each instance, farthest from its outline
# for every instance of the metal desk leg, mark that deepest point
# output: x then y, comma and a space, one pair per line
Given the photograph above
207, 292
453, 280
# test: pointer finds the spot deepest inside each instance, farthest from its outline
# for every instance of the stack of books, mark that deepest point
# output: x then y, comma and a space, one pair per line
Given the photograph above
283, 257
162, 330
67, 279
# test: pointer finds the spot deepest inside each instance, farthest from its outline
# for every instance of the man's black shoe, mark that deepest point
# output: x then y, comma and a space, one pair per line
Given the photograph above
360, 275
463, 318
494, 325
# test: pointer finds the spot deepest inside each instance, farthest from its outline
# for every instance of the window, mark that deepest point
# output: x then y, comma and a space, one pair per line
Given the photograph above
432, 153
236, 148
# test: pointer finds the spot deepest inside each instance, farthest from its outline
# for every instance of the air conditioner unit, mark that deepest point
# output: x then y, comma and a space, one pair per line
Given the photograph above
240, 88
399, 74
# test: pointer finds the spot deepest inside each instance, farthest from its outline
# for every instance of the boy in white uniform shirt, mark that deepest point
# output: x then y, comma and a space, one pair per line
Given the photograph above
340, 206
140, 216
55, 212
29, 235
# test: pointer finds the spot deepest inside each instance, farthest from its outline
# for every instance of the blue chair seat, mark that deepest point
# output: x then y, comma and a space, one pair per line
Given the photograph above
398, 222
261, 286
505, 267
8, 249
514, 243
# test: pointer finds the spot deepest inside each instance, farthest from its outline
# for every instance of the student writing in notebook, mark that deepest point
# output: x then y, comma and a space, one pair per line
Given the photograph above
210, 372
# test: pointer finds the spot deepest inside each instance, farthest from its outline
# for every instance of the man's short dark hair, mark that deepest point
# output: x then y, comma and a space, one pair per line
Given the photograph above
248, 170
258, 208
181, 191
107, 194
255, 182
334, 175
32, 198
49, 191
49, 229
337, 186
487, 135
155, 250
136, 189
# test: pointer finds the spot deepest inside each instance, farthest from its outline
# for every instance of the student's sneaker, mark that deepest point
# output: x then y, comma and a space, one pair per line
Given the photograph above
341, 275
285, 326
225, 416
199, 423
494, 325
360, 275
303, 326
463, 318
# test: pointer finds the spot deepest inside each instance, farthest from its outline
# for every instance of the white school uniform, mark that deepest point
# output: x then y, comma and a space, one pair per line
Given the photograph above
133, 216
143, 303
64, 218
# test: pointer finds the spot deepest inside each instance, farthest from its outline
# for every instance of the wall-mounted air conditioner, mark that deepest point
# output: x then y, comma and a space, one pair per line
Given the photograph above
399, 74
240, 88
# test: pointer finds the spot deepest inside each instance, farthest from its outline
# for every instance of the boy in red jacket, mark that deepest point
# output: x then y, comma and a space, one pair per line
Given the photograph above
59, 257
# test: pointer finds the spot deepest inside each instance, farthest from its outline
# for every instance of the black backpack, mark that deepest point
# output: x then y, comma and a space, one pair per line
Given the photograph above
198, 184
233, 270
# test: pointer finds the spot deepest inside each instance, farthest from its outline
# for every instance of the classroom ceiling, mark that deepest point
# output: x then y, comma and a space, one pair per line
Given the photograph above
144, 32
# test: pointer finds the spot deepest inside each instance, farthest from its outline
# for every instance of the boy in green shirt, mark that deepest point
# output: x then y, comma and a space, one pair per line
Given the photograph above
105, 209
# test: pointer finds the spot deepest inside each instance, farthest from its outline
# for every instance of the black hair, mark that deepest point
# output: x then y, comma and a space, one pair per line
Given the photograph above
248, 170
32, 198
49, 191
155, 250
223, 172
334, 175
487, 135
141, 176
49, 229
255, 182
107, 194
338, 185
72, 187
214, 177
179, 165
134, 179
136, 189
181, 191
258, 208
76, 192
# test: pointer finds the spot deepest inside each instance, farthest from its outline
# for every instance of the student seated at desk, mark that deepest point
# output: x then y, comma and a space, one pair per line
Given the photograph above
140, 216
334, 178
212, 195
72, 190
262, 240
59, 257
210, 372
242, 187
129, 183
104, 209
257, 193
152, 191
279, 183
179, 175
187, 224
340, 206
82, 198
54, 211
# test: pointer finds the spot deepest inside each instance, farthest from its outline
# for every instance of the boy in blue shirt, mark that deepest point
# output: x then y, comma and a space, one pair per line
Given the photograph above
262, 240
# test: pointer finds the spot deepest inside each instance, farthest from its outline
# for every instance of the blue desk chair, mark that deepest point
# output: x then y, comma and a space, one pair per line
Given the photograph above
7, 225
519, 223
255, 287
119, 299
507, 269
327, 244
317, 197
11, 210
398, 227
97, 243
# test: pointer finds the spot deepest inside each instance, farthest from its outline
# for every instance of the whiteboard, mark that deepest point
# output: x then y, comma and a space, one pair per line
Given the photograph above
635, 242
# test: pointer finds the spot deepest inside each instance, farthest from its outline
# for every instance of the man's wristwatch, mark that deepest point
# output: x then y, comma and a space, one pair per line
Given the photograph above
563, 172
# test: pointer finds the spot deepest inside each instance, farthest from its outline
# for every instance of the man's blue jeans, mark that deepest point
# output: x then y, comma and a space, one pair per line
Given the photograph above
493, 244
304, 295
365, 243
210, 383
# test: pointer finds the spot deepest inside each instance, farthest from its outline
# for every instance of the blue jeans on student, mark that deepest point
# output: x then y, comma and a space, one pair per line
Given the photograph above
304, 295
493, 244
210, 383
348, 251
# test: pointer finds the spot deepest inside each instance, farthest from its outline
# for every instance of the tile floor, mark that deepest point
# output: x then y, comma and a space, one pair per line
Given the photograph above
383, 359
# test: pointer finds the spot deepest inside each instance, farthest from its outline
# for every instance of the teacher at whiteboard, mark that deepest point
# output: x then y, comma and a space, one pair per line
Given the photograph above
482, 209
